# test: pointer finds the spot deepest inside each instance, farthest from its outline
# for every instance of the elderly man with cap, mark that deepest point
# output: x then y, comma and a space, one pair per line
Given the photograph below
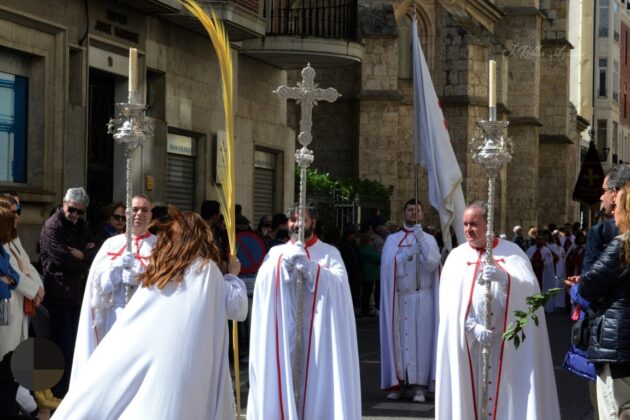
518, 237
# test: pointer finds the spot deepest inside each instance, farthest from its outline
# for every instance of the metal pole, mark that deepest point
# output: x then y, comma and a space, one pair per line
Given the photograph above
307, 94
131, 128
492, 150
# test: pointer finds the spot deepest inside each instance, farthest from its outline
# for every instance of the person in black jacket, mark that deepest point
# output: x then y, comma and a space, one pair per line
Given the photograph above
66, 253
351, 256
600, 235
608, 283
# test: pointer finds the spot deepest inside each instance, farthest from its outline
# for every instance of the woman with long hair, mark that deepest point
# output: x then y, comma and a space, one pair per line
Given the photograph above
166, 357
607, 285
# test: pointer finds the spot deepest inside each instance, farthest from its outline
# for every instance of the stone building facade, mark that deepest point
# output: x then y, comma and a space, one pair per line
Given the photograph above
530, 45
74, 61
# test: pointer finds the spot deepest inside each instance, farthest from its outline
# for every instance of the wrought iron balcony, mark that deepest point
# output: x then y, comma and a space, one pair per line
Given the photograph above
317, 18
320, 32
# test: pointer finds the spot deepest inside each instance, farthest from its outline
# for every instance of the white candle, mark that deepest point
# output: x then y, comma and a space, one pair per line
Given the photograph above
133, 69
492, 84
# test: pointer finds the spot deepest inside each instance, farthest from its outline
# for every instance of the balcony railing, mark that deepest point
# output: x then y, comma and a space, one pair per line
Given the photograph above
318, 18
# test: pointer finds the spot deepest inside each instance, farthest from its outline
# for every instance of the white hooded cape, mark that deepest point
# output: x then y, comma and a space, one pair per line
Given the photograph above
166, 357
96, 320
330, 366
549, 277
523, 382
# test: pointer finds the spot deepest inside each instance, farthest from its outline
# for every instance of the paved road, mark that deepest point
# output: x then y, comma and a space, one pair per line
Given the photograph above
572, 390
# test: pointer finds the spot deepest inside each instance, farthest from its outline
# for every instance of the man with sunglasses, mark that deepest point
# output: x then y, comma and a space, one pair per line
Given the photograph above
114, 270
66, 252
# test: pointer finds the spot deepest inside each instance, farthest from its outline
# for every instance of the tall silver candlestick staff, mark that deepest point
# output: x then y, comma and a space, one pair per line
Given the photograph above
131, 128
492, 150
306, 94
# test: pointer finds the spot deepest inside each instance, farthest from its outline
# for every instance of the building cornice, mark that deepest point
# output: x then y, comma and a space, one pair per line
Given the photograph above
465, 100
559, 42
581, 123
554, 138
522, 11
380, 95
481, 11
525, 121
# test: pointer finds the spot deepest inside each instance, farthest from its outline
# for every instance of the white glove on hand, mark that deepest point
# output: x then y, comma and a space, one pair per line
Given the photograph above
296, 254
493, 273
482, 335
130, 278
302, 263
126, 260
413, 250
418, 232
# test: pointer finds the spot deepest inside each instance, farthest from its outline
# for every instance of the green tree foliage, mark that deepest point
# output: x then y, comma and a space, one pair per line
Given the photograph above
322, 183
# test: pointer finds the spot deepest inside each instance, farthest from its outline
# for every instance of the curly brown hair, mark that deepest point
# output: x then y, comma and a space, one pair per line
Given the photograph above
182, 238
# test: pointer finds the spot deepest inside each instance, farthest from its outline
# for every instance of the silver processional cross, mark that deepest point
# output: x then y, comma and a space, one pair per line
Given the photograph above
306, 94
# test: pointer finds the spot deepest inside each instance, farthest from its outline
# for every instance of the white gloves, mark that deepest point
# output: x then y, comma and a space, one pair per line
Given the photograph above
493, 273
297, 259
130, 278
415, 249
418, 232
126, 260
481, 334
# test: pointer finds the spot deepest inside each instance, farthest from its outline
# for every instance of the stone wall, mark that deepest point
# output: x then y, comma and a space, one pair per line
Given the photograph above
532, 91
58, 55
335, 139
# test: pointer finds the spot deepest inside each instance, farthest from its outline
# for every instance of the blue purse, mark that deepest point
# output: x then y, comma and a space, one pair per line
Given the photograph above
576, 360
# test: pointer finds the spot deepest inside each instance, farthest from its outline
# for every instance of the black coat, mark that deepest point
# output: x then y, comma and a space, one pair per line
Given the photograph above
608, 283
598, 238
64, 275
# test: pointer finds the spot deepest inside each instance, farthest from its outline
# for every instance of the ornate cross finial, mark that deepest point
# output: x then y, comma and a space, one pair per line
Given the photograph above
307, 94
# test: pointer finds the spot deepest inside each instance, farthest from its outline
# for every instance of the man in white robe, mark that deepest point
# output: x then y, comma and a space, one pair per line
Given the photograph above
543, 261
559, 269
408, 319
521, 382
329, 385
112, 270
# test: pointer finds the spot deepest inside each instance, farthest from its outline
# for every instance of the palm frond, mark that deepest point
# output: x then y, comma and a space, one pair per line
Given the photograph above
225, 158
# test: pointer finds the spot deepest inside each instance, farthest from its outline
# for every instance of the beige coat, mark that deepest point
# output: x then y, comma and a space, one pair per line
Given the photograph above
17, 331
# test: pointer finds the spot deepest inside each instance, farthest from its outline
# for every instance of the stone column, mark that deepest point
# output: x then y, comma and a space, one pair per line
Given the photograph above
557, 137
382, 155
520, 30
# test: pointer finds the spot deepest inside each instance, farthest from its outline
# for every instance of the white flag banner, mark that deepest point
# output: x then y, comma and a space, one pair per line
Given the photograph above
433, 149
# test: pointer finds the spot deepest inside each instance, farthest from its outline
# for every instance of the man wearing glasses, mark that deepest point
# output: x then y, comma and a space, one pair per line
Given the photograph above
113, 271
602, 233
66, 252
598, 238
